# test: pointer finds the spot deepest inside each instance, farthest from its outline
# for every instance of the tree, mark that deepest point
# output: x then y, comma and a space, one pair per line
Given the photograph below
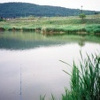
1, 18
82, 16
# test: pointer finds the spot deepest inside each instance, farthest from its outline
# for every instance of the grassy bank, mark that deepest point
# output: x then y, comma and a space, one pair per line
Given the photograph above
54, 25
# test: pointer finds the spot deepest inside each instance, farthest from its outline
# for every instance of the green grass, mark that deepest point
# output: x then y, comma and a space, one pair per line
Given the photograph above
95, 29
85, 80
54, 25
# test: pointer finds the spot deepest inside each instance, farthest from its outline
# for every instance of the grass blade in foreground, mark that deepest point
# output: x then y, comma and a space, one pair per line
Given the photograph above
85, 80
85, 83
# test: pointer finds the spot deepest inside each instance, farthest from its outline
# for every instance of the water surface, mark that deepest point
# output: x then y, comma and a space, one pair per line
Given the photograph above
41, 70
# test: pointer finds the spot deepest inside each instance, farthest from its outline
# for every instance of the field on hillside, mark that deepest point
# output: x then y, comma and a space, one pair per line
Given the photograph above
54, 25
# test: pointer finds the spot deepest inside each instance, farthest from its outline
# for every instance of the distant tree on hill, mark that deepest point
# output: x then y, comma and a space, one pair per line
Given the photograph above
1, 18
82, 16
96, 13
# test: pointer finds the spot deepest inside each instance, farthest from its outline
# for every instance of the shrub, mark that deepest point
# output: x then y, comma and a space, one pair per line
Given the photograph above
92, 29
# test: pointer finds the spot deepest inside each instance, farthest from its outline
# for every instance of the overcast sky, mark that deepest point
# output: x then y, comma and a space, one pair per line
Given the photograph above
87, 4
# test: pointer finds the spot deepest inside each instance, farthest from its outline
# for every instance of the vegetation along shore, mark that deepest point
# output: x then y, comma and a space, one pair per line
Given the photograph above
89, 25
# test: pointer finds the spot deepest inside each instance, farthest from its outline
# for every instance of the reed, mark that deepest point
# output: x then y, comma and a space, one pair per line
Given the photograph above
85, 80
42, 97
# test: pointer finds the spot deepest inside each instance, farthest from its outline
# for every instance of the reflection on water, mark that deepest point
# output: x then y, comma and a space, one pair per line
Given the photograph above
41, 69
18, 44
22, 41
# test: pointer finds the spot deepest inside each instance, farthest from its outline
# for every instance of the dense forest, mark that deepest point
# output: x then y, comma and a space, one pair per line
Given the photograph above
26, 9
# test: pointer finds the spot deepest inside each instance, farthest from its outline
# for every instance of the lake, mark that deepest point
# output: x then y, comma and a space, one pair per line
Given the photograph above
30, 64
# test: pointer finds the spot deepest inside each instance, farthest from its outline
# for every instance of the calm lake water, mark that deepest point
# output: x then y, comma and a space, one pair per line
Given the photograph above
33, 67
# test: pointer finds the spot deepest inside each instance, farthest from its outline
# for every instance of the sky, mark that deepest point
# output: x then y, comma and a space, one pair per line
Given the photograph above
87, 4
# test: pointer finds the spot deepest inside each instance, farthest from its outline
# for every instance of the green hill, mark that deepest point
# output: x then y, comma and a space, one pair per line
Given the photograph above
26, 9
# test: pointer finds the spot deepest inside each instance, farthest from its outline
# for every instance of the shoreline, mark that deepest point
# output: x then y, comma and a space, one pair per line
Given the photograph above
87, 30
54, 25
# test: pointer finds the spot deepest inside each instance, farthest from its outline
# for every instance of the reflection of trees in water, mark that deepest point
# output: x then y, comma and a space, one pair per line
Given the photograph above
19, 44
81, 42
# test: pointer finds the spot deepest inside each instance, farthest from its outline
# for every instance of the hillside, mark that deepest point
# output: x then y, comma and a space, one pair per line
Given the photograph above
26, 9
